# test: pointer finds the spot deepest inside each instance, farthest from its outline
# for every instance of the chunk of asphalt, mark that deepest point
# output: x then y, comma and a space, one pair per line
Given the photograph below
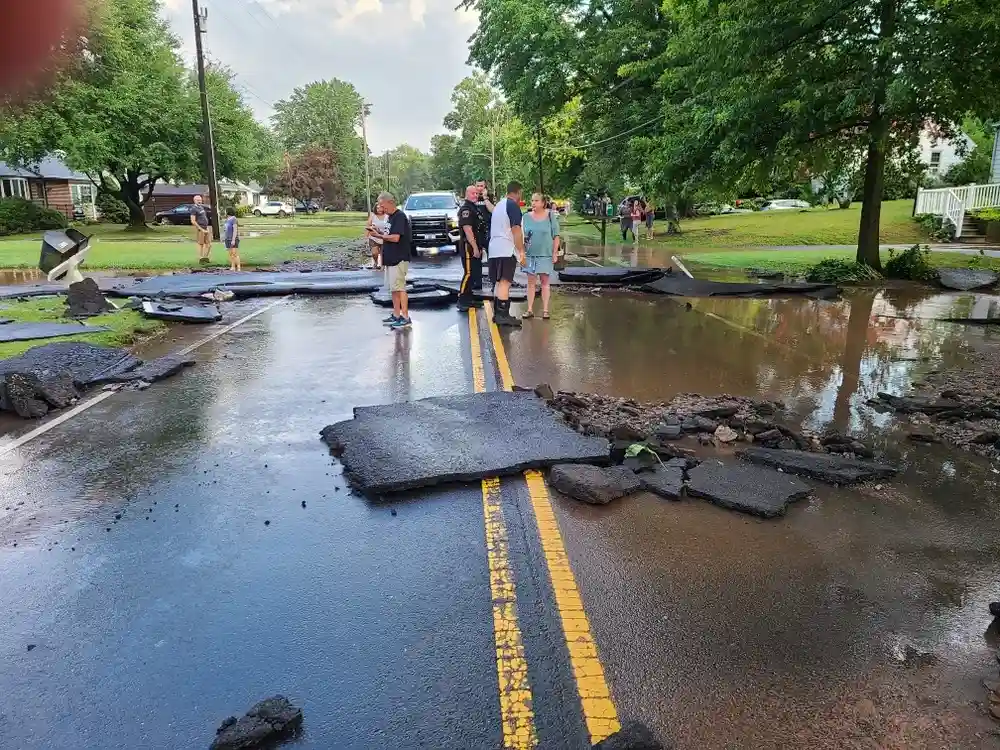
666, 480
255, 284
751, 489
266, 722
404, 446
84, 299
632, 736
609, 275
30, 331
418, 296
87, 364
684, 287
826, 467
155, 370
593, 484
181, 312
964, 279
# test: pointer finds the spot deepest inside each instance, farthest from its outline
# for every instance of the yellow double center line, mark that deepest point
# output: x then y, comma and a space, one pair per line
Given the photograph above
516, 698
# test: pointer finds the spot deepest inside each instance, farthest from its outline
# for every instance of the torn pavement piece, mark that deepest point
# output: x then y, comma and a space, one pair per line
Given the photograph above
181, 312
684, 287
609, 275
84, 300
751, 489
833, 468
30, 331
414, 444
418, 296
265, 722
593, 484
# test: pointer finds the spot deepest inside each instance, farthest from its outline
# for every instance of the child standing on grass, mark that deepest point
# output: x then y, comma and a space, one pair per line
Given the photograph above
233, 240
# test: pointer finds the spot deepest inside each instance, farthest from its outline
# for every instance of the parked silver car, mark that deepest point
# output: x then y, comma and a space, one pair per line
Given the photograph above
785, 204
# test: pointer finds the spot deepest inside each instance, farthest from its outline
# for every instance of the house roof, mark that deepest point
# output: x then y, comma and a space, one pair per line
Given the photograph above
163, 188
50, 168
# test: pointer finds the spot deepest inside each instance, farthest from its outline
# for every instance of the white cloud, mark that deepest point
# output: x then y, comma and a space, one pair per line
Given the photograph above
404, 56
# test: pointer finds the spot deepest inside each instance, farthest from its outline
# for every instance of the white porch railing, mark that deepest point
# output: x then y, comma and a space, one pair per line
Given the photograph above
954, 203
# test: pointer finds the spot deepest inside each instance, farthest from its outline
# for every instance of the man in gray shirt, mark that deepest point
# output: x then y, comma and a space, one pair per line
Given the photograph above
202, 230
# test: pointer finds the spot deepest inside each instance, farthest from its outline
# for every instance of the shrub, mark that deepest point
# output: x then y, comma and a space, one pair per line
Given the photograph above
835, 270
242, 212
938, 227
18, 215
988, 214
913, 264
111, 209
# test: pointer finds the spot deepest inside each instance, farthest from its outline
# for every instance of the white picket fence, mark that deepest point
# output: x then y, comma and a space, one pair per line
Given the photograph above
954, 203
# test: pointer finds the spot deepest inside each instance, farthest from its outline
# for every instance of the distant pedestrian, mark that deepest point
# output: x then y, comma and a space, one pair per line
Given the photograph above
378, 221
232, 239
396, 244
471, 242
636, 221
541, 238
650, 216
506, 250
202, 230
625, 218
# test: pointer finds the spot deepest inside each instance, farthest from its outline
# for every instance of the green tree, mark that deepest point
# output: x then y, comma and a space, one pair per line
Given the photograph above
408, 169
755, 85
447, 163
325, 114
314, 173
126, 112
975, 166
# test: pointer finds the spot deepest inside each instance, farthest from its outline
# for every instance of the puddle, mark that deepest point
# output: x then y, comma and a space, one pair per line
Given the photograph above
13, 277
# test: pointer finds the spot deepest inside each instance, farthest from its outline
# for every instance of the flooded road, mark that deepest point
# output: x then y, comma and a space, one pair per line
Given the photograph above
157, 602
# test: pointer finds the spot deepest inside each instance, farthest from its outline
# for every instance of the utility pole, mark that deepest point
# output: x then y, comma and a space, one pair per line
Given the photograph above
208, 142
387, 174
366, 109
541, 178
493, 157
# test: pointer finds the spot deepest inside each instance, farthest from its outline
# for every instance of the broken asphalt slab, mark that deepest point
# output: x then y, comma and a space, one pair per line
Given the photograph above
30, 331
405, 446
611, 275
751, 489
966, 279
593, 484
181, 312
832, 468
418, 296
52, 376
253, 284
684, 287
666, 480
266, 722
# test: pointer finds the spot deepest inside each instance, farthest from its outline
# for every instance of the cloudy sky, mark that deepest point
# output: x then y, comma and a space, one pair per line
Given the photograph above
403, 56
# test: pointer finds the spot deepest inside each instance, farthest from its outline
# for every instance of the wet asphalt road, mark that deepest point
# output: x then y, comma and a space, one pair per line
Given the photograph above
855, 622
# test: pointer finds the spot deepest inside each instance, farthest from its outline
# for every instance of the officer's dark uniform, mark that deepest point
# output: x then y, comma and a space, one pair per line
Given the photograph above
482, 229
468, 216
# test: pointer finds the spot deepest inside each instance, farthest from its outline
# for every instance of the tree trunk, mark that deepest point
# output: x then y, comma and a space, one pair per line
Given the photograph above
850, 363
130, 195
878, 144
871, 201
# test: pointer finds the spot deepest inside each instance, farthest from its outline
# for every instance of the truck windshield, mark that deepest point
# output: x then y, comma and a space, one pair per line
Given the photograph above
429, 202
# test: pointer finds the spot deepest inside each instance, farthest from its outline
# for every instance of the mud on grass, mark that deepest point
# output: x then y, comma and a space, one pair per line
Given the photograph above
127, 326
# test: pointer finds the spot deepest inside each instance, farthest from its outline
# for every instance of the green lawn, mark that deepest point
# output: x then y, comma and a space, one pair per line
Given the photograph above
817, 226
127, 326
797, 261
163, 248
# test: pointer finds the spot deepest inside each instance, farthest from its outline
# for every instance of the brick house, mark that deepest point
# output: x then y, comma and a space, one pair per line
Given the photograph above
51, 182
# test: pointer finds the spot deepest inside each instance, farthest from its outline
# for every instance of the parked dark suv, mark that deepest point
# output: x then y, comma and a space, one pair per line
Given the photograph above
307, 207
181, 215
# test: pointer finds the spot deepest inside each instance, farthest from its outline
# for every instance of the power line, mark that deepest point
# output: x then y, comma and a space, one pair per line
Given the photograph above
584, 146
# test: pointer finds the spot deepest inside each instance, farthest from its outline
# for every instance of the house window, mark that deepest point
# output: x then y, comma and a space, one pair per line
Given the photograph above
935, 161
81, 195
14, 187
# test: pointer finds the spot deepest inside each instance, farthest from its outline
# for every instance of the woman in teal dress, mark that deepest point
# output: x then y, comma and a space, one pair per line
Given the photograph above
541, 237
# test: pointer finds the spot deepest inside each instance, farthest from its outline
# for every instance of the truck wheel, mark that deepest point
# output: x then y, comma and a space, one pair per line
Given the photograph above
258, 213
282, 214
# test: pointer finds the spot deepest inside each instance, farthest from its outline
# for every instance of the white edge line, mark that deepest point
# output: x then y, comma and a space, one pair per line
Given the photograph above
82, 407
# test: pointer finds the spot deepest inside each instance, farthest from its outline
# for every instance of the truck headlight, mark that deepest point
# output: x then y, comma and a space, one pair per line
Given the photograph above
453, 222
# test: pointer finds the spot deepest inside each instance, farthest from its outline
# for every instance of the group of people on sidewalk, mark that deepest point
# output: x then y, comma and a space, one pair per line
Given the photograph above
633, 215
500, 232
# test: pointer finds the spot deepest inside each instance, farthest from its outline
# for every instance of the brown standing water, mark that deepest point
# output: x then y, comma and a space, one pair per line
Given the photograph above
857, 621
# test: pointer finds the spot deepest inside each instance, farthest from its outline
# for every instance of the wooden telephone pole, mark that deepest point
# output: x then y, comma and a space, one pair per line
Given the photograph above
208, 142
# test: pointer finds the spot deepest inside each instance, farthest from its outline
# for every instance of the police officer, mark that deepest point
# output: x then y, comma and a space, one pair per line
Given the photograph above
484, 208
471, 243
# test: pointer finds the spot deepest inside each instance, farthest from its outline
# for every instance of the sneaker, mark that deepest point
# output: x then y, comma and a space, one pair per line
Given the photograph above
401, 323
390, 320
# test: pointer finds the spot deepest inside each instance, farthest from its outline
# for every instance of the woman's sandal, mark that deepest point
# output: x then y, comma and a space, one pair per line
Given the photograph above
545, 316
527, 315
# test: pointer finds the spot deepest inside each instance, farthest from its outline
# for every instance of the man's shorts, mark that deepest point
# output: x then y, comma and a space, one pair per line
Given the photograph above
395, 276
231, 245
502, 269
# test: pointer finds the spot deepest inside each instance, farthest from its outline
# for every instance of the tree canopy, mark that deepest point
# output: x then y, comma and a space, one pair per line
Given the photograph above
126, 111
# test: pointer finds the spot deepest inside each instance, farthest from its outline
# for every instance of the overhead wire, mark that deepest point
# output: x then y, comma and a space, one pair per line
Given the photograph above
584, 146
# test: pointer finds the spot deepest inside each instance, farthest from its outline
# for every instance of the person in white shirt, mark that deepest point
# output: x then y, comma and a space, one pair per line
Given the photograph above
506, 251
380, 223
